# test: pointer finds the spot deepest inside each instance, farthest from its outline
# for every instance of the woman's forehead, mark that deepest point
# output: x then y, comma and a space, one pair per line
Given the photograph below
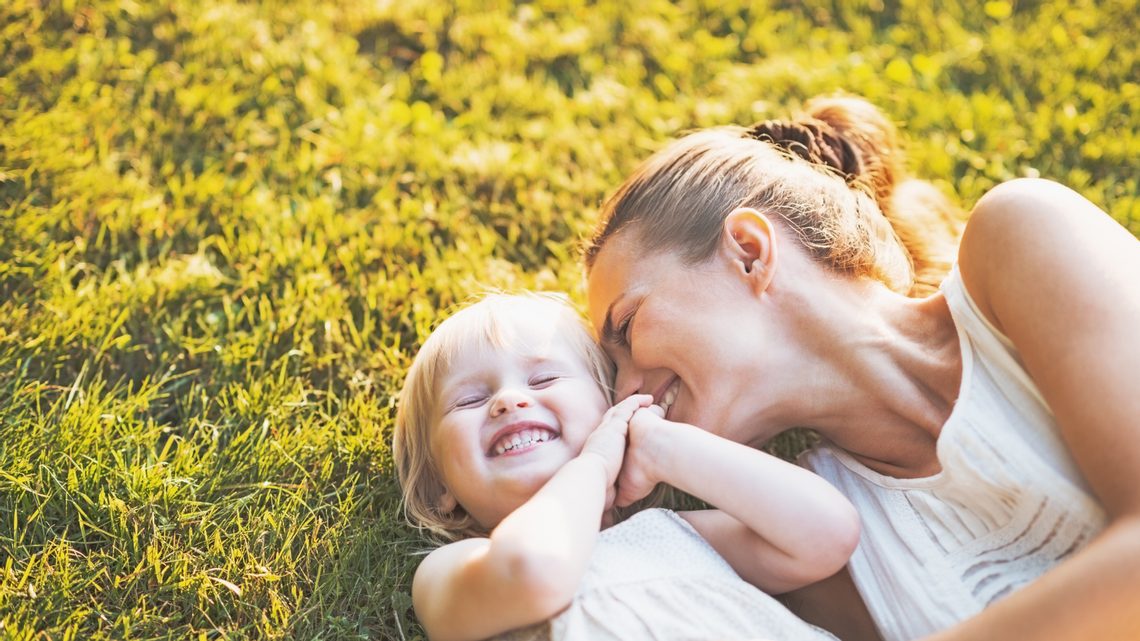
624, 270
609, 278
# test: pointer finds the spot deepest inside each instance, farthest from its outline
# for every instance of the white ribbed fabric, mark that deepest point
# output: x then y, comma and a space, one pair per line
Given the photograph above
653, 578
1008, 504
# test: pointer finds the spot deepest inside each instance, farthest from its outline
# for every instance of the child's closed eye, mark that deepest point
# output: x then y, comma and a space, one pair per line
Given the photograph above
544, 380
466, 402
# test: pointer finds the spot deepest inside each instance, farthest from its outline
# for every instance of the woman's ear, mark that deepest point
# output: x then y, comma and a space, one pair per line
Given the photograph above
750, 242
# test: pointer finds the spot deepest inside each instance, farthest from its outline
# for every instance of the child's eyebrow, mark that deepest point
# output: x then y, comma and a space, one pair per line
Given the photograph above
541, 360
546, 360
455, 385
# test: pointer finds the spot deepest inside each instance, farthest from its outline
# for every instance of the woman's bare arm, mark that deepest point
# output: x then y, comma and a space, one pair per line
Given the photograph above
1062, 281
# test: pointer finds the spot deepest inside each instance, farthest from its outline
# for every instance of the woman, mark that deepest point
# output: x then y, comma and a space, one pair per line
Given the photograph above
988, 432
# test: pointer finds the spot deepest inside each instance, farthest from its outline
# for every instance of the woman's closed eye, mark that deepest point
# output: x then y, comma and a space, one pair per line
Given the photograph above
623, 331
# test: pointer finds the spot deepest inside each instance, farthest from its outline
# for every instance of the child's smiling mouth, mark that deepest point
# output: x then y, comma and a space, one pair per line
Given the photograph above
520, 437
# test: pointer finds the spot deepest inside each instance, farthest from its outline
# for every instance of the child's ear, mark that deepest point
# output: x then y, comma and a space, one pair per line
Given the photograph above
447, 502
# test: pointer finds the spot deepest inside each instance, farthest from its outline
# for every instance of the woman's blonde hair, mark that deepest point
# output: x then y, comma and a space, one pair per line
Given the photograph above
835, 176
486, 323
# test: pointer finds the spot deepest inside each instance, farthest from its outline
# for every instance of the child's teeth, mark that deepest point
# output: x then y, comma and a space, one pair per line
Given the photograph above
522, 439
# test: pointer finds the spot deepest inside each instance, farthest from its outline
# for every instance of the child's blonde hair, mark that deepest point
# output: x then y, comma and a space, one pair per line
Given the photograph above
485, 323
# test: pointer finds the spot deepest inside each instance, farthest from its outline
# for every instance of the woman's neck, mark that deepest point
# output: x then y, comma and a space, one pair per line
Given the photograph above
883, 374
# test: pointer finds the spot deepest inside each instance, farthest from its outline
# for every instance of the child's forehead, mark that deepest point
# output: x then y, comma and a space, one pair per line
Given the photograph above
529, 336
514, 345
516, 327
480, 360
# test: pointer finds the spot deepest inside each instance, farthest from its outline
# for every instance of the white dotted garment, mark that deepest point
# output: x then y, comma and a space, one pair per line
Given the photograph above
653, 578
1008, 505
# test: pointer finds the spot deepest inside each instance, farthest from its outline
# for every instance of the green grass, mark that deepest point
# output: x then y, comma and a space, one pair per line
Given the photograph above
226, 226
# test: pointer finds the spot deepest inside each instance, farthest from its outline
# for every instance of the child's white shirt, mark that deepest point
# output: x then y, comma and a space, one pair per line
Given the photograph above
653, 577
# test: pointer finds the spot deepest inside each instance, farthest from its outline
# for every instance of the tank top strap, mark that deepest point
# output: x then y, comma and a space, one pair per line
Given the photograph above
993, 347
1006, 373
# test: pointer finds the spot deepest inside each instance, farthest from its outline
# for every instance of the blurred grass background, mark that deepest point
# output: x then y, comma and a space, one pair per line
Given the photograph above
227, 225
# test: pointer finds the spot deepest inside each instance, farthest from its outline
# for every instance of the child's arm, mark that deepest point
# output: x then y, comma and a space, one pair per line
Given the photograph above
779, 526
529, 568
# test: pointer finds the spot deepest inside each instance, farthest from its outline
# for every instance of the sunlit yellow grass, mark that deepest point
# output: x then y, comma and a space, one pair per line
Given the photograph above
226, 226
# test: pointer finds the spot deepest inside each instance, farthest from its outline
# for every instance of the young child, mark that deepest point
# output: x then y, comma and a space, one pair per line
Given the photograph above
506, 444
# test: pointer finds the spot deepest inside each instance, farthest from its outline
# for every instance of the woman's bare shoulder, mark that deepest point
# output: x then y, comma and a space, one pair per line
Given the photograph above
1028, 236
1057, 275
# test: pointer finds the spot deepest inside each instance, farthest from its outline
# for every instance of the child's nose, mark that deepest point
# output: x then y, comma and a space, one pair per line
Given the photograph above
509, 400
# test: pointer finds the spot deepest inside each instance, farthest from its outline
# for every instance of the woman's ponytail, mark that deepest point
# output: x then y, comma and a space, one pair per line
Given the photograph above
927, 223
851, 138
851, 204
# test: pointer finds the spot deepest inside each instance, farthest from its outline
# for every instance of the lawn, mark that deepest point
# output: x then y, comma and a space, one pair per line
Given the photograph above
226, 226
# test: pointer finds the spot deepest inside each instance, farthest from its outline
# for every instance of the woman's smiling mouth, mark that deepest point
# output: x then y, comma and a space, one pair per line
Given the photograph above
669, 396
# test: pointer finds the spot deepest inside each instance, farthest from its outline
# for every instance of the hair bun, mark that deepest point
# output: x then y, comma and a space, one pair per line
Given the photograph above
872, 134
813, 140
847, 134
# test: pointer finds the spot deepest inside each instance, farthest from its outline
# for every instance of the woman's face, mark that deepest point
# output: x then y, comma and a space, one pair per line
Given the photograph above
690, 336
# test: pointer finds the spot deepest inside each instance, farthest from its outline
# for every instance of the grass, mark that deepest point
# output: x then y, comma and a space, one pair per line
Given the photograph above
226, 226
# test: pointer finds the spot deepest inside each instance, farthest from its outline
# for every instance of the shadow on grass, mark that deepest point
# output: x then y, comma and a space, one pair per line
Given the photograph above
363, 589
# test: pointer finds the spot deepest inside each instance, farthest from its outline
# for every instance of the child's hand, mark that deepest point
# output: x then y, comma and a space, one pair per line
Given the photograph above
637, 478
608, 441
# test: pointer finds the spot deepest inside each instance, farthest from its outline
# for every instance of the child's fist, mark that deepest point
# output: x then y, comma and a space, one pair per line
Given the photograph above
609, 439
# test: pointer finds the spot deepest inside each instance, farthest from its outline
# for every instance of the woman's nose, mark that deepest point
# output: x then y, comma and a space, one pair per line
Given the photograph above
508, 401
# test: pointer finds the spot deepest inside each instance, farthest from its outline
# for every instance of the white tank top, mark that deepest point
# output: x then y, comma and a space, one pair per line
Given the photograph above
1008, 505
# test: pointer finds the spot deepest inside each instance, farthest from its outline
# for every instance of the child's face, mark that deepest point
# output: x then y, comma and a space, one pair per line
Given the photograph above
507, 419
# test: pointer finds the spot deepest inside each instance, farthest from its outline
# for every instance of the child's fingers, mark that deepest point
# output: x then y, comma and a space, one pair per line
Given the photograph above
647, 418
618, 423
623, 410
632, 403
642, 399
653, 409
